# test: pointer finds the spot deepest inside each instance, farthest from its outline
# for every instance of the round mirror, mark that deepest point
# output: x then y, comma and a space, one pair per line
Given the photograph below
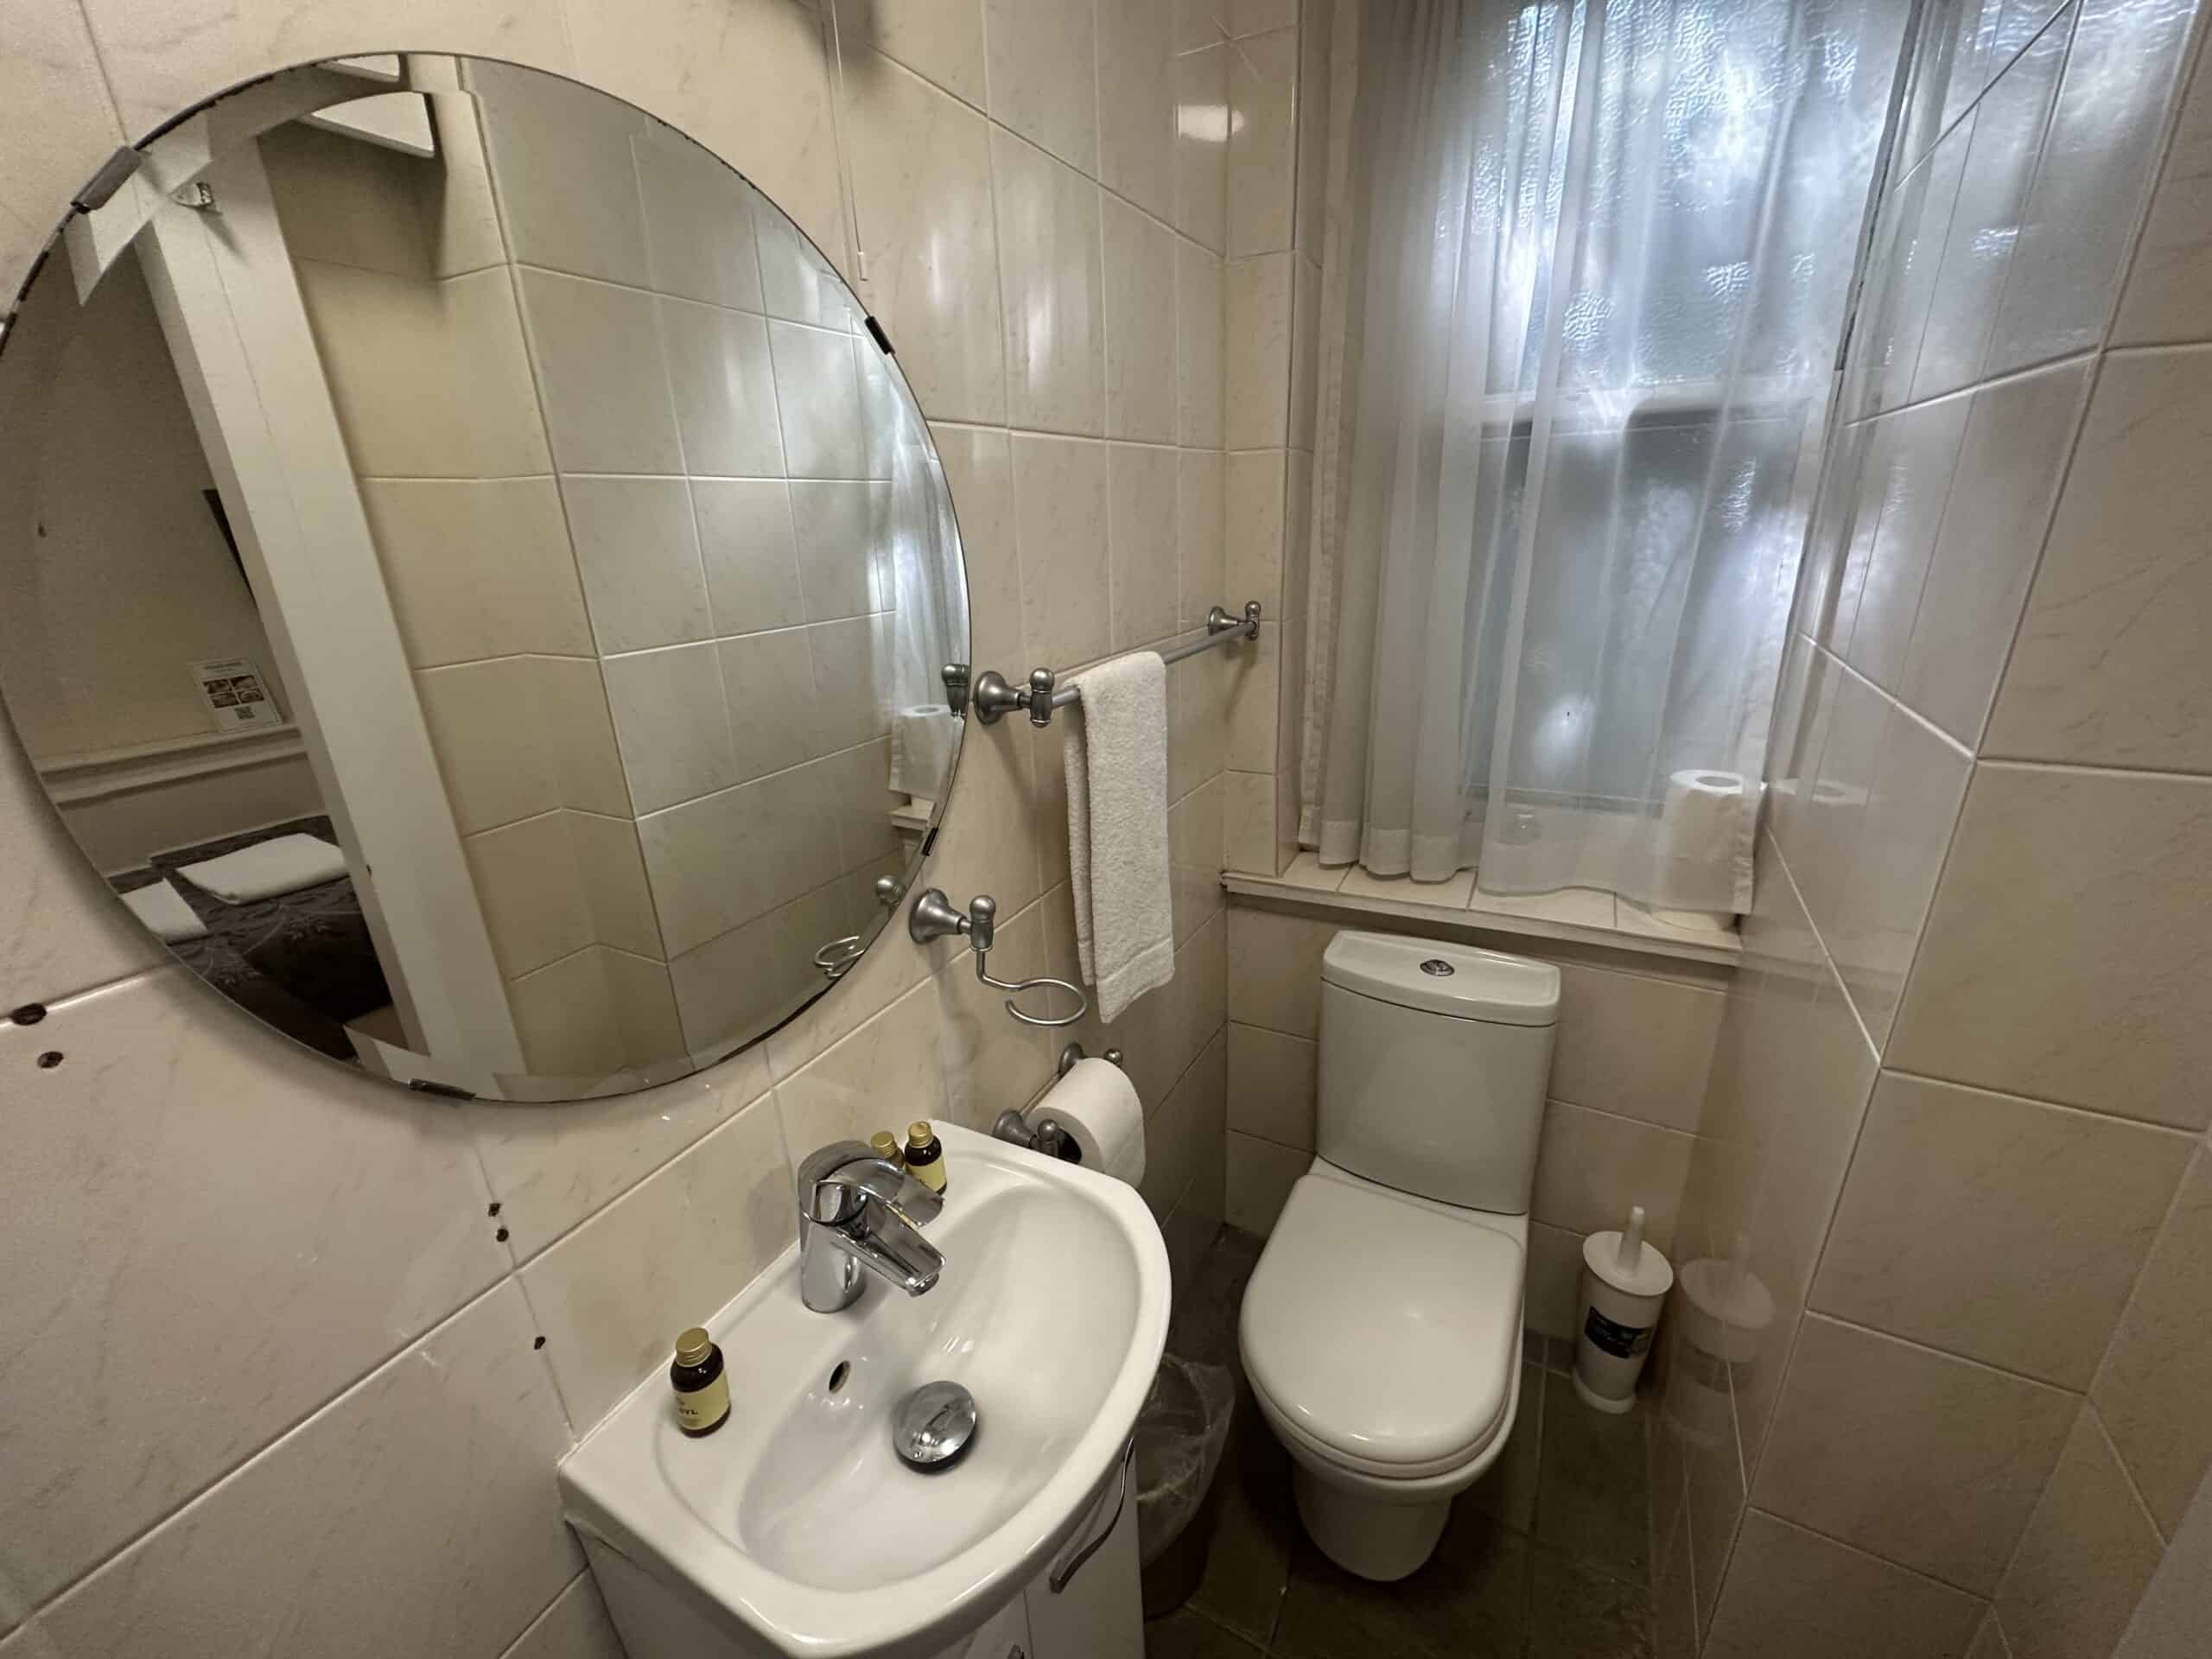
476, 585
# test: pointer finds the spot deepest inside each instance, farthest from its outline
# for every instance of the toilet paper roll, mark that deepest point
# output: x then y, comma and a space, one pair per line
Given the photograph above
1698, 821
1098, 1104
923, 738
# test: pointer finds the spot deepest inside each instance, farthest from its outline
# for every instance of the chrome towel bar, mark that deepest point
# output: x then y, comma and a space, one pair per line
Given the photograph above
989, 694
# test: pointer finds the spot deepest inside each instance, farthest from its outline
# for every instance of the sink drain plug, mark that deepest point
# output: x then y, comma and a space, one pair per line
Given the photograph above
934, 1426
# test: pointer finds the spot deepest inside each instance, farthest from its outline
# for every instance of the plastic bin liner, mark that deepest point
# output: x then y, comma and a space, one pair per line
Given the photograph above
1181, 1432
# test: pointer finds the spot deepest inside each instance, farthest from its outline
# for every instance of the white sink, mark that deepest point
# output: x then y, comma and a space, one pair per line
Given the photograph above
797, 1519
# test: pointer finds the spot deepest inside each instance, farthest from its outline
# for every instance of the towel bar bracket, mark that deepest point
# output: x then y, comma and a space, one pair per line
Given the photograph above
934, 917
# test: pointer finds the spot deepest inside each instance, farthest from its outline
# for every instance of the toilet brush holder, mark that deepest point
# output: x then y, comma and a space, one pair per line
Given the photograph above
1624, 1284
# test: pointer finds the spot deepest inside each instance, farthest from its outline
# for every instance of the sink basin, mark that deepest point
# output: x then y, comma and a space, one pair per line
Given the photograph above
799, 1521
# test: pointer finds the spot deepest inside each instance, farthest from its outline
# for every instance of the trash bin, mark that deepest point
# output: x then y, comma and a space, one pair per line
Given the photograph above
1181, 1432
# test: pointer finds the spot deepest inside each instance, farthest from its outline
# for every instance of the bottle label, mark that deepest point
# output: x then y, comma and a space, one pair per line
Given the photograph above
931, 1174
704, 1408
1621, 1341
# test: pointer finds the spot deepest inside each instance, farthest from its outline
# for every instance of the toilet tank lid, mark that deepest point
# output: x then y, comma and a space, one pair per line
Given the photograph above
1454, 979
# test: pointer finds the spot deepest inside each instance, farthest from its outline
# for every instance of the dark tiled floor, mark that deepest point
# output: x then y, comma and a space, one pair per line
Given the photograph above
1544, 1557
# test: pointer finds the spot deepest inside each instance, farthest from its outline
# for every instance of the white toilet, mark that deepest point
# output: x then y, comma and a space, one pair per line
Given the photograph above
1381, 1328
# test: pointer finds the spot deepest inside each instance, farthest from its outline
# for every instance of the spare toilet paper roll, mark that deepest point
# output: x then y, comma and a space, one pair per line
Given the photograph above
1698, 821
1098, 1104
923, 738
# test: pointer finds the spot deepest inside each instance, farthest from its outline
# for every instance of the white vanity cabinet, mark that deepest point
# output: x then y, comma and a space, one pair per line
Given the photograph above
1097, 1613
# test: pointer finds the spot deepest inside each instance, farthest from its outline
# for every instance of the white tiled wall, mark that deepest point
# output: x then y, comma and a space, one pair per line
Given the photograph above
1955, 1124
283, 1352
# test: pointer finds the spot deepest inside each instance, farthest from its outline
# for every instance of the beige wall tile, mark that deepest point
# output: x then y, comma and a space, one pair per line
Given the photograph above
1247, 822
1634, 1045
1828, 820
1918, 780
2166, 297
1791, 1590
1140, 299
576, 1626
1194, 858
698, 221
1592, 1166
1263, 141
979, 475
1043, 61
921, 167
431, 1473
492, 749
567, 185
1996, 1228
1051, 277
1200, 537
992, 1063
125, 1319
1060, 495
1915, 487
601, 376
1253, 520
2073, 908
526, 881
1201, 83
1200, 24
1933, 1462
2107, 669
612, 872
725, 391
1249, 675
579, 735
2013, 456
998, 820
817, 398
638, 549
1136, 103
1272, 1085
666, 1254
1257, 16
1274, 974
568, 1027
2079, 224
429, 378
841, 1097
477, 568
1260, 1175
2154, 1392
672, 724
769, 682
2169, 1623
751, 554
2088, 1554
1313, 74
1198, 346
840, 527
940, 39
748, 78
798, 281
1989, 1640
1141, 545
1257, 352
1552, 1299
644, 1003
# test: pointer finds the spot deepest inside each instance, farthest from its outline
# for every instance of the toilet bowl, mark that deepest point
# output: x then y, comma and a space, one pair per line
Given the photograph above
1380, 1330
1382, 1336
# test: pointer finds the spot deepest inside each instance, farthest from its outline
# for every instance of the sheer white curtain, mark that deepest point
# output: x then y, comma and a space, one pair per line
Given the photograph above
1586, 272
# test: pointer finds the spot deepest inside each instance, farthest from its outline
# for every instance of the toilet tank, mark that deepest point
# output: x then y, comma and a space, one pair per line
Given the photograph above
1433, 1067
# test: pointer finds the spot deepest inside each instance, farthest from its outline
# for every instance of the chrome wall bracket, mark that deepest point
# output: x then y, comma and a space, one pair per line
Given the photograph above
933, 918
1047, 1136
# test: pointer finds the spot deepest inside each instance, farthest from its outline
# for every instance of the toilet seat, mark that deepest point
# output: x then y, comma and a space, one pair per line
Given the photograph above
1382, 1333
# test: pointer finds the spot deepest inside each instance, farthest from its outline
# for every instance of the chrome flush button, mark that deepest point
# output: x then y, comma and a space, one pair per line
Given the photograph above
1438, 966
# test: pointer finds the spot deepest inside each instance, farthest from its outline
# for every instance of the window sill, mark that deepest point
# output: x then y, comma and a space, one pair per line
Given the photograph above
1579, 915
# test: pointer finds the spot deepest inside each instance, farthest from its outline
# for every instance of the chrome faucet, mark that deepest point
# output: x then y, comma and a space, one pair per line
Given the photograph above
857, 1211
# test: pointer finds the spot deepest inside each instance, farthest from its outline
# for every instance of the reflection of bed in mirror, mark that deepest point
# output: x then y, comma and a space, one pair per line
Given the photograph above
300, 957
596, 562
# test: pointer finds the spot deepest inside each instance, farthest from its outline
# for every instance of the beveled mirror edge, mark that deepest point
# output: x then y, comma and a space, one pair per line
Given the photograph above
106, 212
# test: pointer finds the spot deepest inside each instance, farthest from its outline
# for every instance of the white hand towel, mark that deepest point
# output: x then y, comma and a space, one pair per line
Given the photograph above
162, 907
280, 864
1116, 757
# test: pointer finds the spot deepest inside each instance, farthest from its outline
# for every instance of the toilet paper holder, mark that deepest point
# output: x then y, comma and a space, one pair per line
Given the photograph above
934, 917
1047, 1136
